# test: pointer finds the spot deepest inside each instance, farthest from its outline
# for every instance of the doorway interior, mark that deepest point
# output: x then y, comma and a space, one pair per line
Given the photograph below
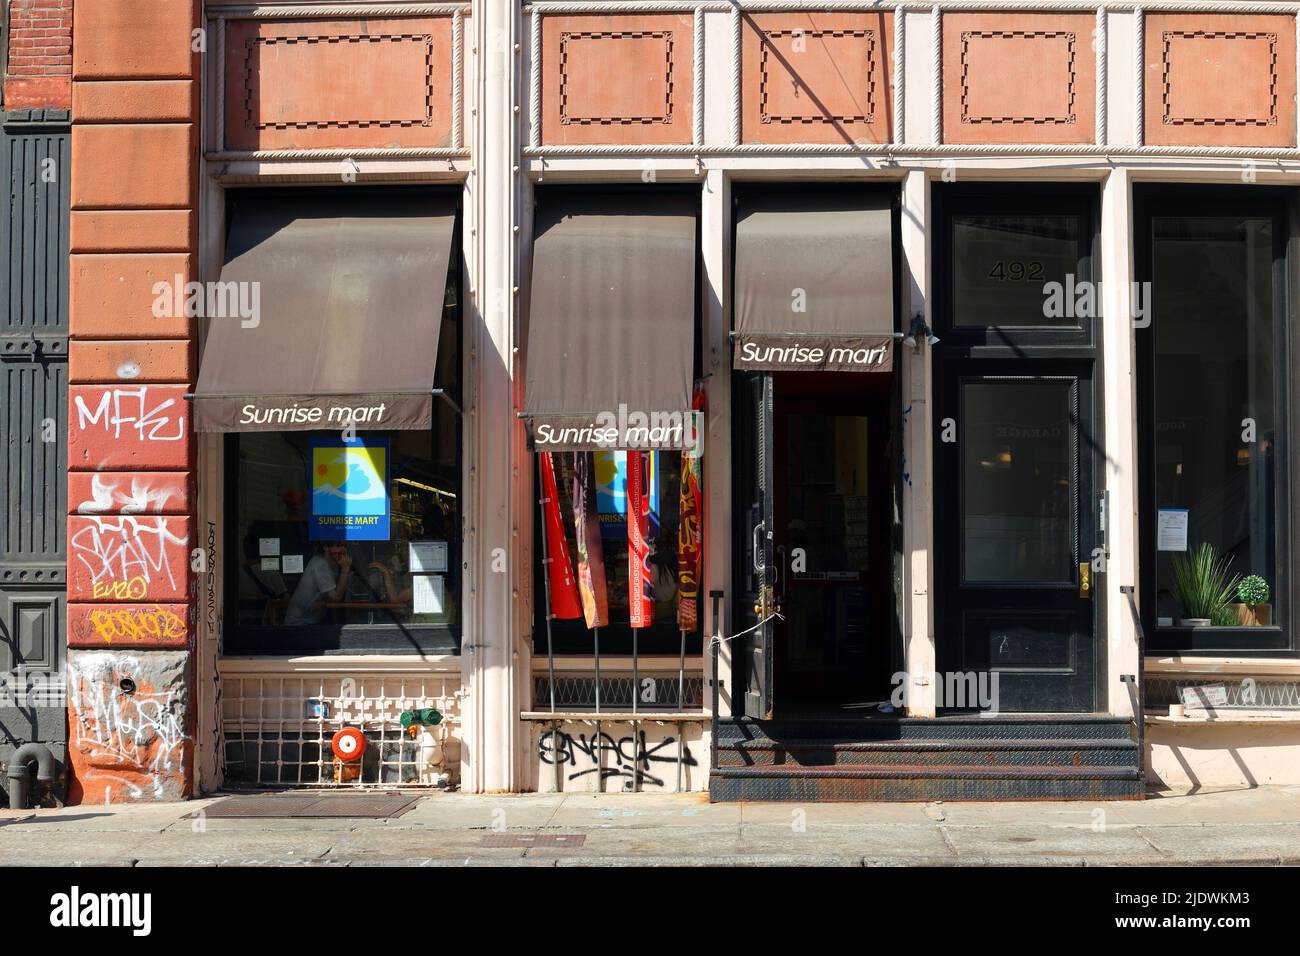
831, 464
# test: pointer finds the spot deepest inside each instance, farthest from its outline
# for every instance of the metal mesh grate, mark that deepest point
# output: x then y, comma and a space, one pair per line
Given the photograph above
277, 730
659, 691
1243, 693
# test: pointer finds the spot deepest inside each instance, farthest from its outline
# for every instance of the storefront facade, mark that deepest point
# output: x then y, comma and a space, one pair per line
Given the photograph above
783, 400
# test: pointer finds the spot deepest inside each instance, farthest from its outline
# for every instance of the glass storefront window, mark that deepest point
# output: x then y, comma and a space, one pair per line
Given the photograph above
1215, 398
350, 546
394, 564
663, 486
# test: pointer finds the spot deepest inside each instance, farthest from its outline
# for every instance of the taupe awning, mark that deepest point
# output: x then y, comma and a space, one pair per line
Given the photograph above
611, 326
348, 293
814, 281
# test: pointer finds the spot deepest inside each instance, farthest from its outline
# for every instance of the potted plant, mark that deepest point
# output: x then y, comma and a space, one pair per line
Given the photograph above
1202, 586
1254, 609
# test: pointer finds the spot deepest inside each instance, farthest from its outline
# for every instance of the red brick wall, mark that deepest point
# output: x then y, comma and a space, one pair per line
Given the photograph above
39, 72
131, 444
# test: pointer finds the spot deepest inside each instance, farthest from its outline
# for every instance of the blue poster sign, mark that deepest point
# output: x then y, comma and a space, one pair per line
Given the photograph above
349, 490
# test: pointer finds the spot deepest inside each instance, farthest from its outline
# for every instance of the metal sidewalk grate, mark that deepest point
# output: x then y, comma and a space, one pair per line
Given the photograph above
360, 806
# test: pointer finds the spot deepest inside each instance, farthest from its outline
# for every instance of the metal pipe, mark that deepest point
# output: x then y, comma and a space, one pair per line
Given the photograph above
550, 642
1137, 681
20, 775
600, 750
716, 599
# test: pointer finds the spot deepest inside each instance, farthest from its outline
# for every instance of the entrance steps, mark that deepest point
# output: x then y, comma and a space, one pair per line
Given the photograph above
822, 759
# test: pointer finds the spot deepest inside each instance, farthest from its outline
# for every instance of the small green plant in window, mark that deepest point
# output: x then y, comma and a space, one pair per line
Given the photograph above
1254, 609
1252, 589
1202, 585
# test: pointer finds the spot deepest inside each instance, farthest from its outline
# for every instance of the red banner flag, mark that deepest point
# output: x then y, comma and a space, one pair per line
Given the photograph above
690, 528
640, 576
591, 550
564, 590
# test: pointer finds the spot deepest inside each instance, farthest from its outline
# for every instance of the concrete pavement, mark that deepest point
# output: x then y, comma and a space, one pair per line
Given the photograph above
1258, 826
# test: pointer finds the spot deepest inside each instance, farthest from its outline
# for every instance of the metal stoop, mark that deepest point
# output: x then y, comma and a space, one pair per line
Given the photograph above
919, 759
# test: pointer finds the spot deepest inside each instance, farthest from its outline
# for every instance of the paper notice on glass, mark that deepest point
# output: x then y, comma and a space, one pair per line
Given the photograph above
428, 557
268, 547
292, 564
270, 564
427, 593
1171, 529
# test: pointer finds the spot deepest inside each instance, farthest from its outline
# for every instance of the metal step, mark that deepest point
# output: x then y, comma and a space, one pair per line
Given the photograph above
1006, 728
921, 784
929, 753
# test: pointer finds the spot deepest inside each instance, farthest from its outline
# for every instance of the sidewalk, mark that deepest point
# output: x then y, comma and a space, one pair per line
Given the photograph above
1259, 826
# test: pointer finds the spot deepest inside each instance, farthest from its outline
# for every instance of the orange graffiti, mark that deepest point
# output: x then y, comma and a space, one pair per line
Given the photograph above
137, 624
131, 590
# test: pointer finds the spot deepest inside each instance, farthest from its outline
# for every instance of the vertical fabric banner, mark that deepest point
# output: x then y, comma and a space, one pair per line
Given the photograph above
640, 583
564, 590
591, 552
690, 528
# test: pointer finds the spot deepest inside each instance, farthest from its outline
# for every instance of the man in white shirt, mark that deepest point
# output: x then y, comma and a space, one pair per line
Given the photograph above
324, 579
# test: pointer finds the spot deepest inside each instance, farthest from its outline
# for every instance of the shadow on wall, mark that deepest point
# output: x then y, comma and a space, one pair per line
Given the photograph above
1227, 755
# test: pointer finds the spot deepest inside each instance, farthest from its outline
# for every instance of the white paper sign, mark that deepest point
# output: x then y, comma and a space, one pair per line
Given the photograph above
1171, 529
270, 564
427, 556
292, 564
268, 547
427, 591
1212, 695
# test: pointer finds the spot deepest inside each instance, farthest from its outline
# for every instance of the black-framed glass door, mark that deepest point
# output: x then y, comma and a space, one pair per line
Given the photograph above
1014, 538
1018, 448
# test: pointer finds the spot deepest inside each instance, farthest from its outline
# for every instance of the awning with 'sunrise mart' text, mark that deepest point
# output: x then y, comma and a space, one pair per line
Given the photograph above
349, 301
814, 284
611, 320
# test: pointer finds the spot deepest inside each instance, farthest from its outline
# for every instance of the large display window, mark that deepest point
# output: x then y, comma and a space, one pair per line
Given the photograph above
1214, 374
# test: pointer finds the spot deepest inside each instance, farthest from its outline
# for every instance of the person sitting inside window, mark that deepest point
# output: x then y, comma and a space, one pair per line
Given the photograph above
324, 579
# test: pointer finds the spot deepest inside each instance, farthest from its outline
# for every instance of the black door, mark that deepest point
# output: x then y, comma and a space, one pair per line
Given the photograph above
757, 573
34, 156
1015, 532
1017, 448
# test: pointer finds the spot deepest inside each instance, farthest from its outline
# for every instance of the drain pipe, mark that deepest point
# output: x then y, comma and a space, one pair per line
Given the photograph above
20, 776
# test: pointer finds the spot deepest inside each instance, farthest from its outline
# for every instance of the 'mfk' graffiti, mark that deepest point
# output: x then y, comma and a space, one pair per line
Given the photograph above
141, 426
131, 413
128, 558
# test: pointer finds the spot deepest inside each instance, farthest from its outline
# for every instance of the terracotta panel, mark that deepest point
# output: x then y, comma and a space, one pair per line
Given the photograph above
133, 230
133, 492
1220, 80
134, 427
128, 296
133, 166
129, 558
817, 78
128, 625
618, 79
1019, 78
143, 360
134, 38
135, 101
321, 84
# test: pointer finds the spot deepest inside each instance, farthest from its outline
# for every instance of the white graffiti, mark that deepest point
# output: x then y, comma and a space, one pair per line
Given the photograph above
119, 730
132, 410
126, 552
105, 497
